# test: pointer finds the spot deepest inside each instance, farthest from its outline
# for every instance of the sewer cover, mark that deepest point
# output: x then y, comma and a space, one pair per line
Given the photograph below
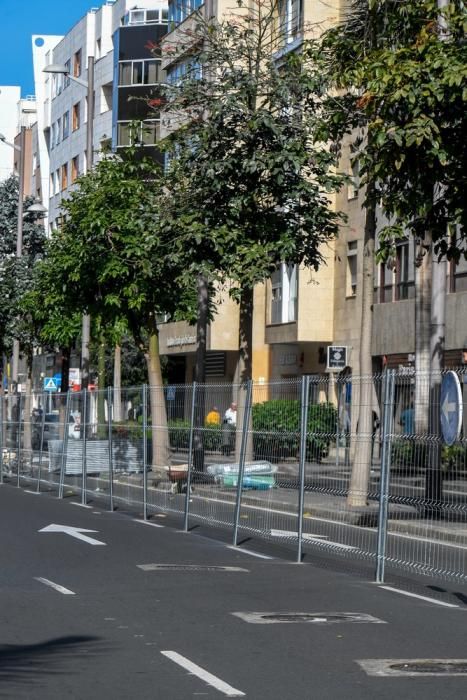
189, 567
317, 618
414, 667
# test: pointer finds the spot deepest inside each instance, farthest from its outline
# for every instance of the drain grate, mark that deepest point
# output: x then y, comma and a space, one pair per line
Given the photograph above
414, 667
189, 567
267, 618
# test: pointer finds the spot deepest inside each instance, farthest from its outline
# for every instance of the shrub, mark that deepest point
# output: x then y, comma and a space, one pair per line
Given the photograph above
276, 426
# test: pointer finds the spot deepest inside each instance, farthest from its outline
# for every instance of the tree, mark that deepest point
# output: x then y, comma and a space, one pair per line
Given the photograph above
115, 262
15, 273
256, 179
404, 86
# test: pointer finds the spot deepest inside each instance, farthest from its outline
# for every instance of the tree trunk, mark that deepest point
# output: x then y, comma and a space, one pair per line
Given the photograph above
102, 428
27, 410
362, 431
423, 278
160, 435
200, 373
244, 370
117, 385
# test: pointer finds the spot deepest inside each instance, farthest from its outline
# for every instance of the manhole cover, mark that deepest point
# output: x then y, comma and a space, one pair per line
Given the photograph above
267, 618
414, 667
188, 567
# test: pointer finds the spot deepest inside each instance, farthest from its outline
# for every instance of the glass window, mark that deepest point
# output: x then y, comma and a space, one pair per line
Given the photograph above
150, 133
125, 73
76, 116
77, 64
152, 15
52, 136
58, 132
67, 77
137, 73
151, 73
404, 272
74, 168
123, 134
66, 124
352, 268
64, 183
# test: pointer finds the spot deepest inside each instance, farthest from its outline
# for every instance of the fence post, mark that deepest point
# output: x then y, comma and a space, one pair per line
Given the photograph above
305, 393
109, 437
64, 446
2, 408
41, 444
241, 462
18, 449
145, 452
190, 458
387, 427
84, 476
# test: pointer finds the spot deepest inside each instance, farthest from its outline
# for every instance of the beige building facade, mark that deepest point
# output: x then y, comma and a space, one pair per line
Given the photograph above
299, 313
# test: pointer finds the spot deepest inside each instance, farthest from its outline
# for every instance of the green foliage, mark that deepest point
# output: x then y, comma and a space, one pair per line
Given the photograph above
17, 319
401, 71
249, 180
277, 429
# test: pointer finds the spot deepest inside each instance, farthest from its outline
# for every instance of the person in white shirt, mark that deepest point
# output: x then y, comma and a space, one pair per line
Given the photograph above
229, 424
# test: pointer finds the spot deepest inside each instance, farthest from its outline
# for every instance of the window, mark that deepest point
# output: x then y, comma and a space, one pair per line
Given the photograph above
98, 48
284, 294
76, 116
404, 272
290, 19
66, 78
352, 253
74, 168
64, 178
141, 16
66, 124
147, 133
57, 182
77, 64
52, 136
106, 98
139, 72
353, 185
181, 9
58, 132
151, 72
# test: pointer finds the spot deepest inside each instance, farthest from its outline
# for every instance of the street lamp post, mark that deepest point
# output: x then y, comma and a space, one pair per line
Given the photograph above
61, 69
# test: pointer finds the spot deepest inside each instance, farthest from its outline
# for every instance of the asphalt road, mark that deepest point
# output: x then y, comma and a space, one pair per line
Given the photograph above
121, 631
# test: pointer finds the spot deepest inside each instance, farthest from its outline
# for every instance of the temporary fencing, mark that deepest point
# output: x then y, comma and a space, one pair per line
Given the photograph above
351, 466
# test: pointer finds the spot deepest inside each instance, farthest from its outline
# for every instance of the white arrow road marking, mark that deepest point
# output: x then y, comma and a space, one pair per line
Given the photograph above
60, 589
203, 675
448, 407
73, 532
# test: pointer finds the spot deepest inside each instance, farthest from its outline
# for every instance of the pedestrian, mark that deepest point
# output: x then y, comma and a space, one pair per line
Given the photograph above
213, 417
229, 424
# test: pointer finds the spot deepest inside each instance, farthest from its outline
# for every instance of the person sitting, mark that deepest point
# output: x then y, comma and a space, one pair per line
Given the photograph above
213, 417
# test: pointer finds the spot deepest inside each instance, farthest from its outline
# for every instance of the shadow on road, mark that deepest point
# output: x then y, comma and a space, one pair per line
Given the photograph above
24, 664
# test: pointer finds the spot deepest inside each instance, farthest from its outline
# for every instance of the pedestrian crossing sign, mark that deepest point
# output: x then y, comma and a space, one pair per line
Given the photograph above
50, 384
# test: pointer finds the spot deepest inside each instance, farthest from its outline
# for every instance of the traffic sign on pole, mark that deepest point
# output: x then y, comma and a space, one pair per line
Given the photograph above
50, 384
451, 408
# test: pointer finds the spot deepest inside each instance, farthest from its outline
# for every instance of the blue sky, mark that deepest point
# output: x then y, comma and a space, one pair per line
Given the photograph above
19, 19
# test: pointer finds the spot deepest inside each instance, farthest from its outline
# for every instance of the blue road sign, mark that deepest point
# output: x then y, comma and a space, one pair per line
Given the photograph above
170, 393
50, 384
58, 379
451, 408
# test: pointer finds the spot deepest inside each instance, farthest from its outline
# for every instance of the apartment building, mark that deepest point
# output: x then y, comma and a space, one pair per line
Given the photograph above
299, 313
114, 42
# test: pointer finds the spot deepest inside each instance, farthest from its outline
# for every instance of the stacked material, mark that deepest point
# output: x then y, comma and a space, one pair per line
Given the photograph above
256, 475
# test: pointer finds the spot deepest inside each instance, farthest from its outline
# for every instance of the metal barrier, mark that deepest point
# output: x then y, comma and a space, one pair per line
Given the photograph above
353, 466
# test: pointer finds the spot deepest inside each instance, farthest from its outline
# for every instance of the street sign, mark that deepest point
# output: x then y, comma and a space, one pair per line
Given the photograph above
337, 357
50, 384
171, 393
58, 379
451, 408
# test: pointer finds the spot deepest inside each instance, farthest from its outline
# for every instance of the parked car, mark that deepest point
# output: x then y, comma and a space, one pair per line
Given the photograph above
52, 429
